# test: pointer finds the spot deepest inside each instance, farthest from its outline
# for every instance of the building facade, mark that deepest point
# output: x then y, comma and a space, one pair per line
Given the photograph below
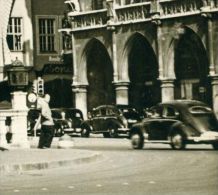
16, 38
144, 52
136, 52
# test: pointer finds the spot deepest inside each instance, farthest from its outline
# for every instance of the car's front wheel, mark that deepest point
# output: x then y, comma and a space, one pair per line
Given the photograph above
113, 132
85, 132
177, 141
215, 145
59, 131
137, 140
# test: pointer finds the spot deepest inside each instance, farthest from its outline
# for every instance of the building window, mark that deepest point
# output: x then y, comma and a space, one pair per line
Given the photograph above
47, 31
14, 34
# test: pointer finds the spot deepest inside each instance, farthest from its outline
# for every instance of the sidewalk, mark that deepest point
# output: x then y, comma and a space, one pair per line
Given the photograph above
18, 160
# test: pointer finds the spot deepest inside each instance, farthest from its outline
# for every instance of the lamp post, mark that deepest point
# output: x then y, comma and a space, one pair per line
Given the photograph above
18, 76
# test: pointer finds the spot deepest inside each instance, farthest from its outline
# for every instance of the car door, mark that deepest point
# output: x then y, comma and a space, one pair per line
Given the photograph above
170, 116
154, 124
94, 121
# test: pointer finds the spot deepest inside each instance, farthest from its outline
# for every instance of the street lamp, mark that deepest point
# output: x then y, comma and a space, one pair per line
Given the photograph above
18, 79
18, 75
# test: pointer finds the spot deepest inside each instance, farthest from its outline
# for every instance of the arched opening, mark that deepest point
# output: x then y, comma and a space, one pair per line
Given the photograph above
61, 93
191, 69
100, 76
144, 89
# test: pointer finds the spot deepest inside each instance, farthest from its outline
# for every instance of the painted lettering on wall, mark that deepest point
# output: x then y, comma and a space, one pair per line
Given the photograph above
57, 69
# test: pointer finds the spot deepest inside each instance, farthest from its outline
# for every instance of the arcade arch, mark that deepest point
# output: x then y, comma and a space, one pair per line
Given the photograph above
144, 88
191, 68
99, 70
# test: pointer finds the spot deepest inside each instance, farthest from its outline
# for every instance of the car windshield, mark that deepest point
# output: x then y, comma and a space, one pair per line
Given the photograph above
130, 114
73, 114
204, 117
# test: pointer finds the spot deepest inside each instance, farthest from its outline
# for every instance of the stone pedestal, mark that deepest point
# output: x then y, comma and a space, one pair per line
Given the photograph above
167, 89
122, 95
19, 100
80, 92
19, 120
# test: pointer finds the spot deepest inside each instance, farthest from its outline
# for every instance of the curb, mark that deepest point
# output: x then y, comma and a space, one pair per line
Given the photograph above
17, 168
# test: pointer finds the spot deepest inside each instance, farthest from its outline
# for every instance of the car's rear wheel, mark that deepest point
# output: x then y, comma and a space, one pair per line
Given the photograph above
137, 140
215, 145
113, 132
85, 132
177, 141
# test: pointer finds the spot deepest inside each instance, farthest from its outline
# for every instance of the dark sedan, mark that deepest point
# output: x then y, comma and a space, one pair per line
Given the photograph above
178, 122
110, 120
67, 120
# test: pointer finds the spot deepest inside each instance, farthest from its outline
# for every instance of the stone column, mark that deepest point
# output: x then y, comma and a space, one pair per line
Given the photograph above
80, 92
3, 142
122, 95
19, 120
167, 89
214, 83
210, 46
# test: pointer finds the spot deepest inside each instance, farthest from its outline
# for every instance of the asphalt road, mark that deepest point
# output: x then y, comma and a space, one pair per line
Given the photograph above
155, 170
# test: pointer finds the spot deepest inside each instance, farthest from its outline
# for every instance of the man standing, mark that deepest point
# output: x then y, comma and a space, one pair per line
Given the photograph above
47, 123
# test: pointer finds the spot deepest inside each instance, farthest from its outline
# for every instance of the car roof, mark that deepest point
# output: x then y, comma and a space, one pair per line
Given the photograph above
105, 106
66, 109
184, 103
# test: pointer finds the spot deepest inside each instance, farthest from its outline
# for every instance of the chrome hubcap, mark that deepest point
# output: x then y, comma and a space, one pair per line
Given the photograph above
177, 141
135, 139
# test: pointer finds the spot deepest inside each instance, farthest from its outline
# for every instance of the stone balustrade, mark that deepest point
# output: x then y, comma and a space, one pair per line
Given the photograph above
141, 12
133, 13
87, 20
18, 126
178, 8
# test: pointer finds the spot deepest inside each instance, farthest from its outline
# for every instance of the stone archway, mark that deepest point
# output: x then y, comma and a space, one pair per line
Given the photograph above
100, 89
144, 89
191, 68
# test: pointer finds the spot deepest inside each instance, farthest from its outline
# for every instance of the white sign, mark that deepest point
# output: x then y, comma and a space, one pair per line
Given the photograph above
54, 59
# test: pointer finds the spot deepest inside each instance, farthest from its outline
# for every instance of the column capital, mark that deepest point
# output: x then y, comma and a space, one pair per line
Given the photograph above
79, 88
121, 83
214, 79
167, 80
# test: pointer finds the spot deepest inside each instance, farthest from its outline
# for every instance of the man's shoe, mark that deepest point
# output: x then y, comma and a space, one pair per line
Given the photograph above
43, 147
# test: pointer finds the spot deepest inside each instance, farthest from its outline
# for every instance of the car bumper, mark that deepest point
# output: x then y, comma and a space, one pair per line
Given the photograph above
123, 130
72, 130
205, 137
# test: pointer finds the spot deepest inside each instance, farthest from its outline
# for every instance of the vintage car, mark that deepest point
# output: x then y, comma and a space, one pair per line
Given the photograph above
177, 122
110, 120
67, 120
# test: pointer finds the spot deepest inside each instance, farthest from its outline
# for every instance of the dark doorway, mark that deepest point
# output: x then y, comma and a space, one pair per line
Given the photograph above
5, 91
100, 76
144, 88
192, 69
60, 91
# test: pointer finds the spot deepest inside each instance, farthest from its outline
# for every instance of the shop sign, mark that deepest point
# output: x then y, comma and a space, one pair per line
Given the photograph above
57, 69
54, 59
